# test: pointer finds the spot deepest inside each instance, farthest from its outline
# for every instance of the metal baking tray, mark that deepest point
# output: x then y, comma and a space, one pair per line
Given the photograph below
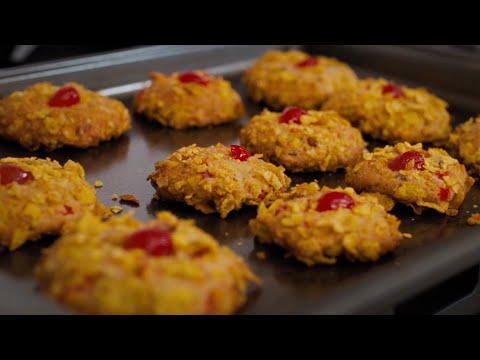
434, 272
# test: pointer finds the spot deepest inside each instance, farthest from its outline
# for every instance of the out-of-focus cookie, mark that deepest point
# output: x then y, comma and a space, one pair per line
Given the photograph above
416, 177
294, 78
121, 266
303, 141
217, 178
393, 113
44, 115
189, 99
39, 197
465, 142
317, 226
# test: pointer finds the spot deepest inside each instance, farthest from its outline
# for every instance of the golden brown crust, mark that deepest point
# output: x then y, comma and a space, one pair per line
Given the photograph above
417, 116
26, 117
465, 142
211, 180
275, 80
363, 233
89, 269
183, 105
57, 195
323, 141
416, 188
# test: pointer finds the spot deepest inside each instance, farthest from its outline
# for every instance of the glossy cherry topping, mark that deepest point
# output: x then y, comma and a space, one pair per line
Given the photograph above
68, 210
239, 152
441, 175
291, 114
191, 77
444, 194
155, 241
401, 161
334, 200
310, 61
393, 89
12, 173
64, 97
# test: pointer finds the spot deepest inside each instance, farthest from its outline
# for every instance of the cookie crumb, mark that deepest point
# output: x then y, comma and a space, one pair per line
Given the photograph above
261, 255
98, 183
116, 209
474, 219
114, 197
407, 235
130, 199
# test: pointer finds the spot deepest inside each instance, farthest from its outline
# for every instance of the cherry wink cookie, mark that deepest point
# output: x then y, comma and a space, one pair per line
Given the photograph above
189, 99
393, 113
303, 141
38, 197
49, 116
465, 141
123, 266
317, 226
416, 177
293, 78
217, 178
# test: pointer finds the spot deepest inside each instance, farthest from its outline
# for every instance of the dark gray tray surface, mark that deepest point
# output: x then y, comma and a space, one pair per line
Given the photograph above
441, 246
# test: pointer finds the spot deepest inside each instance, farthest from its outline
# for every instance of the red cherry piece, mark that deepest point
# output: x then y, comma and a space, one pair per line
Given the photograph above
239, 152
291, 114
140, 95
395, 90
441, 175
444, 194
310, 61
155, 241
64, 97
334, 200
191, 77
68, 210
12, 173
401, 161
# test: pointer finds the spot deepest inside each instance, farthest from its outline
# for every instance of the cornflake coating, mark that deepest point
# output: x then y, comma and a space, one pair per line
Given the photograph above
26, 118
465, 141
363, 233
211, 180
277, 80
56, 195
442, 177
90, 270
412, 115
129, 198
183, 105
323, 141
474, 219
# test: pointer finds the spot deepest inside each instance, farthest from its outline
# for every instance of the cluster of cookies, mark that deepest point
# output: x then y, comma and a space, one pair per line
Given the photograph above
319, 112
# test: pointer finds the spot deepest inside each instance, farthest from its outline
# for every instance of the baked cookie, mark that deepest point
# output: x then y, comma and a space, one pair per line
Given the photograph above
465, 142
317, 226
217, 178
39, 197
416, 177
189, 99
393, 113
49, 116
121, 266
293, 78
303, 141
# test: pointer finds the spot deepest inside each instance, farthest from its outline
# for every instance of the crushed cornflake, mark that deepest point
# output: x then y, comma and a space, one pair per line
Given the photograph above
116, 209
114, 197
130, 199
98, 184
474, 219
261, 255
407, 235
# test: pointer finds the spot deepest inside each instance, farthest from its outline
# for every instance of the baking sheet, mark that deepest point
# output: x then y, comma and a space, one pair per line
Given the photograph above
440, 247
